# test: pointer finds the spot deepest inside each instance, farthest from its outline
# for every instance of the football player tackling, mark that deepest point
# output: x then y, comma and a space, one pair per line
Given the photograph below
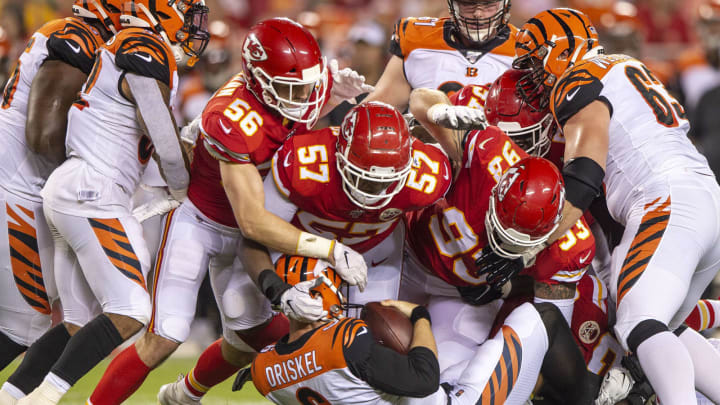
625, 133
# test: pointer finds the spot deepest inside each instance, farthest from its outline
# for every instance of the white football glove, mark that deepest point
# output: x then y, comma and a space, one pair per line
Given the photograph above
189, 133
457, 117
615, 386
298, 304
347, 84
158, 206
350, 265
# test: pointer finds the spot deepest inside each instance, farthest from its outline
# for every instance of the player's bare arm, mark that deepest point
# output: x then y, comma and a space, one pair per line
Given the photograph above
392, 87
421, 100
52, 93
244, 188
586, 146
559, 291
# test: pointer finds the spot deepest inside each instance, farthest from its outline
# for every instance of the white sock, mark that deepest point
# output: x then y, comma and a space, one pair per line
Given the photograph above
669, 368
565, 306
12, 390
706, 361
58, 383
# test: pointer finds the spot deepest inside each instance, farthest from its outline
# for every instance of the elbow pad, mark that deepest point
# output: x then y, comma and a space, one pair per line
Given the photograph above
583, 181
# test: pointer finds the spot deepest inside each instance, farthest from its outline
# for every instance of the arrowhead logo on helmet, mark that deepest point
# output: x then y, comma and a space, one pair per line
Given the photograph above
253, 49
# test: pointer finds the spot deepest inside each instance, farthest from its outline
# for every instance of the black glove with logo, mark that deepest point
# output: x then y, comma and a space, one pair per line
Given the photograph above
479, 294
498, 270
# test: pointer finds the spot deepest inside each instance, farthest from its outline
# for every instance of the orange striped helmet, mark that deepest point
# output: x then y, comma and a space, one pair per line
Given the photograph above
107, 11
295, 269
549, 44
183, 24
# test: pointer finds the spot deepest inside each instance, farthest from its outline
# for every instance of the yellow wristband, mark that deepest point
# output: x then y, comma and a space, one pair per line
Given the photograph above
314, 246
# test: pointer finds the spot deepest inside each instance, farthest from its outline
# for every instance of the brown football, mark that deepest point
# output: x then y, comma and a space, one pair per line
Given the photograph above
389, 326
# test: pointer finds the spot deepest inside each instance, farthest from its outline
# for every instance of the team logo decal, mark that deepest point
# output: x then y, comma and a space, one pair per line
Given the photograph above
506, 182
389, 214
348, 126
253, 50
471, 72
589, 332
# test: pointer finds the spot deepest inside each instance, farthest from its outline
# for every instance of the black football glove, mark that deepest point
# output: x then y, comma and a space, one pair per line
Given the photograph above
498, 270
479, 294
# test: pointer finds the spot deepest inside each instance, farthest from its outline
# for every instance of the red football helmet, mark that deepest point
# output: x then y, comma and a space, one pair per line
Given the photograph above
294, 269
107, 11
525, 207
285, 69
530, 127
183, 24
374, 155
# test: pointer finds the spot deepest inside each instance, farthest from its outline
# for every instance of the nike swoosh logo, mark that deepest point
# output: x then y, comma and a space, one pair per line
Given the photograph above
286, 162
482, 144
363, 331
582, 259
224, 128
146, 58
346, 259
375, 264
446, 176
75, 48
572, 95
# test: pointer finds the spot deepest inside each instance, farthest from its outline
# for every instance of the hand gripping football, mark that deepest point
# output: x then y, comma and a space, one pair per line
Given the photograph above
389, 326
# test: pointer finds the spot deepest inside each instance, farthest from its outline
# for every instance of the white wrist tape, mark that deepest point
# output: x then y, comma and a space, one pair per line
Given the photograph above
314, 246
161, 129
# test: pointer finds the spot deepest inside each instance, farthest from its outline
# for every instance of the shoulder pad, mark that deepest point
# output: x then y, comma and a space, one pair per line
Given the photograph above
73, 42
418, 32
143, 52
581, 85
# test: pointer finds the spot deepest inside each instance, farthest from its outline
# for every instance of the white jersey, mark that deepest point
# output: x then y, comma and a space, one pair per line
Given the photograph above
69, 40
648, 127
103, 129
433, 58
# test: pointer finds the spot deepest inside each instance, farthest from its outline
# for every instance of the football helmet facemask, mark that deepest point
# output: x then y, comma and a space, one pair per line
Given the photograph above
285, 69
295, 269
374, 154
479, 20
525, 207
530, 127
183, 24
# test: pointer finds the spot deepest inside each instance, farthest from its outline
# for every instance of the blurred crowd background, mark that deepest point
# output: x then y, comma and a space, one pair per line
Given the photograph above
679, 40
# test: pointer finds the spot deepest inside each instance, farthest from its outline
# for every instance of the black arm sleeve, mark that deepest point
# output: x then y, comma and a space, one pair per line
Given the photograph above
416, 374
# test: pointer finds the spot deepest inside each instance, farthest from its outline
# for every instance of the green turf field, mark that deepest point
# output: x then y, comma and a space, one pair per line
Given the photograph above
146, 395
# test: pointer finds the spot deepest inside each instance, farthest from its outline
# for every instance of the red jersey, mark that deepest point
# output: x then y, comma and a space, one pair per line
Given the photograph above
304, 171
235, 128
590, 326
450, 235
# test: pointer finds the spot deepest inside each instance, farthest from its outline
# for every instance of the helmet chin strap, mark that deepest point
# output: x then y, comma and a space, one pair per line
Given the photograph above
105, 18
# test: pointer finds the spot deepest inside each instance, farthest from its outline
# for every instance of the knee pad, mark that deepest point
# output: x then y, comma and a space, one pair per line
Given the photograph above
643, 331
